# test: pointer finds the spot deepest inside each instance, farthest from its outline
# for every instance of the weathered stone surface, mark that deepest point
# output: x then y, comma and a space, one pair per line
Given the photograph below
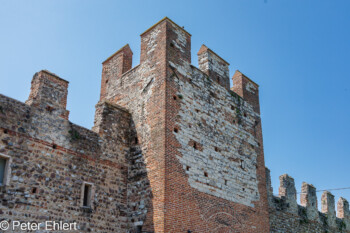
51, 158
328, 208
222, 124
288, 192
172, 149
286, 216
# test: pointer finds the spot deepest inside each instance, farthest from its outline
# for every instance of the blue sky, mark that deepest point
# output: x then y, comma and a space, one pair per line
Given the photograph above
297, 50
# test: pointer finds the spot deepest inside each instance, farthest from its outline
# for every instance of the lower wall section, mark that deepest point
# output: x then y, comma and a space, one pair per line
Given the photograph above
46, 185
284, 222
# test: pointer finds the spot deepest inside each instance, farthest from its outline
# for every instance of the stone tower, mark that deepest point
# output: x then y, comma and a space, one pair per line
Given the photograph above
201, 142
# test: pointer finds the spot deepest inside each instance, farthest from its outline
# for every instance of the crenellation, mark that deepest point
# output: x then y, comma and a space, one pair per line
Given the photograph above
343, 213
178, 44
114, 67
305, 217
49, 92
343, 208
214, 66
247, 89
308, 199
287, 192
269, 186
328, 208
152, 41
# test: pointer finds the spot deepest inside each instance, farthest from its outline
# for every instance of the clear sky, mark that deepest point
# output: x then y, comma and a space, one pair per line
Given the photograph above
297, 50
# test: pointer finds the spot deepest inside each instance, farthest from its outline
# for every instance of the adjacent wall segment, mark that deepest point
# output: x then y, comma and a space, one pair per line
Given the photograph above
289, 217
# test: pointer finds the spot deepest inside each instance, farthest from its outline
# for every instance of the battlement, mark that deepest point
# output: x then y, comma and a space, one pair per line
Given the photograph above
214, 66
49, 93
307, 211
167, 44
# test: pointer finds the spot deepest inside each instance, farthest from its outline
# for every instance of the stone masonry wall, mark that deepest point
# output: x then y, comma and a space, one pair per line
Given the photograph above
213, 153
287, 216
141, 91
219, 123
51, 158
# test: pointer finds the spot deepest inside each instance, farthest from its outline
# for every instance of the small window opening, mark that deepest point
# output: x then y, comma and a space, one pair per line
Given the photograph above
6, 131
245, 114
139, 229
225, 182
87, 195
4, 166
216, 149
195, 145
241, 165
134, 208
234, 122
243, 189
136, 140
188, 168
106, 80
174, 97
176, 130
232, 108
34, 190
197, 110
206, 174
54, 146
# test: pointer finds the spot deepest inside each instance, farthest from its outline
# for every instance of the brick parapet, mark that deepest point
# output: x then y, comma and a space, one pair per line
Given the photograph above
214, 66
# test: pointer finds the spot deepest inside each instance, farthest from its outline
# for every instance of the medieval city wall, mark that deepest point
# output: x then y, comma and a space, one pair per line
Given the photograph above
288, 216
173, 149
51, 158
